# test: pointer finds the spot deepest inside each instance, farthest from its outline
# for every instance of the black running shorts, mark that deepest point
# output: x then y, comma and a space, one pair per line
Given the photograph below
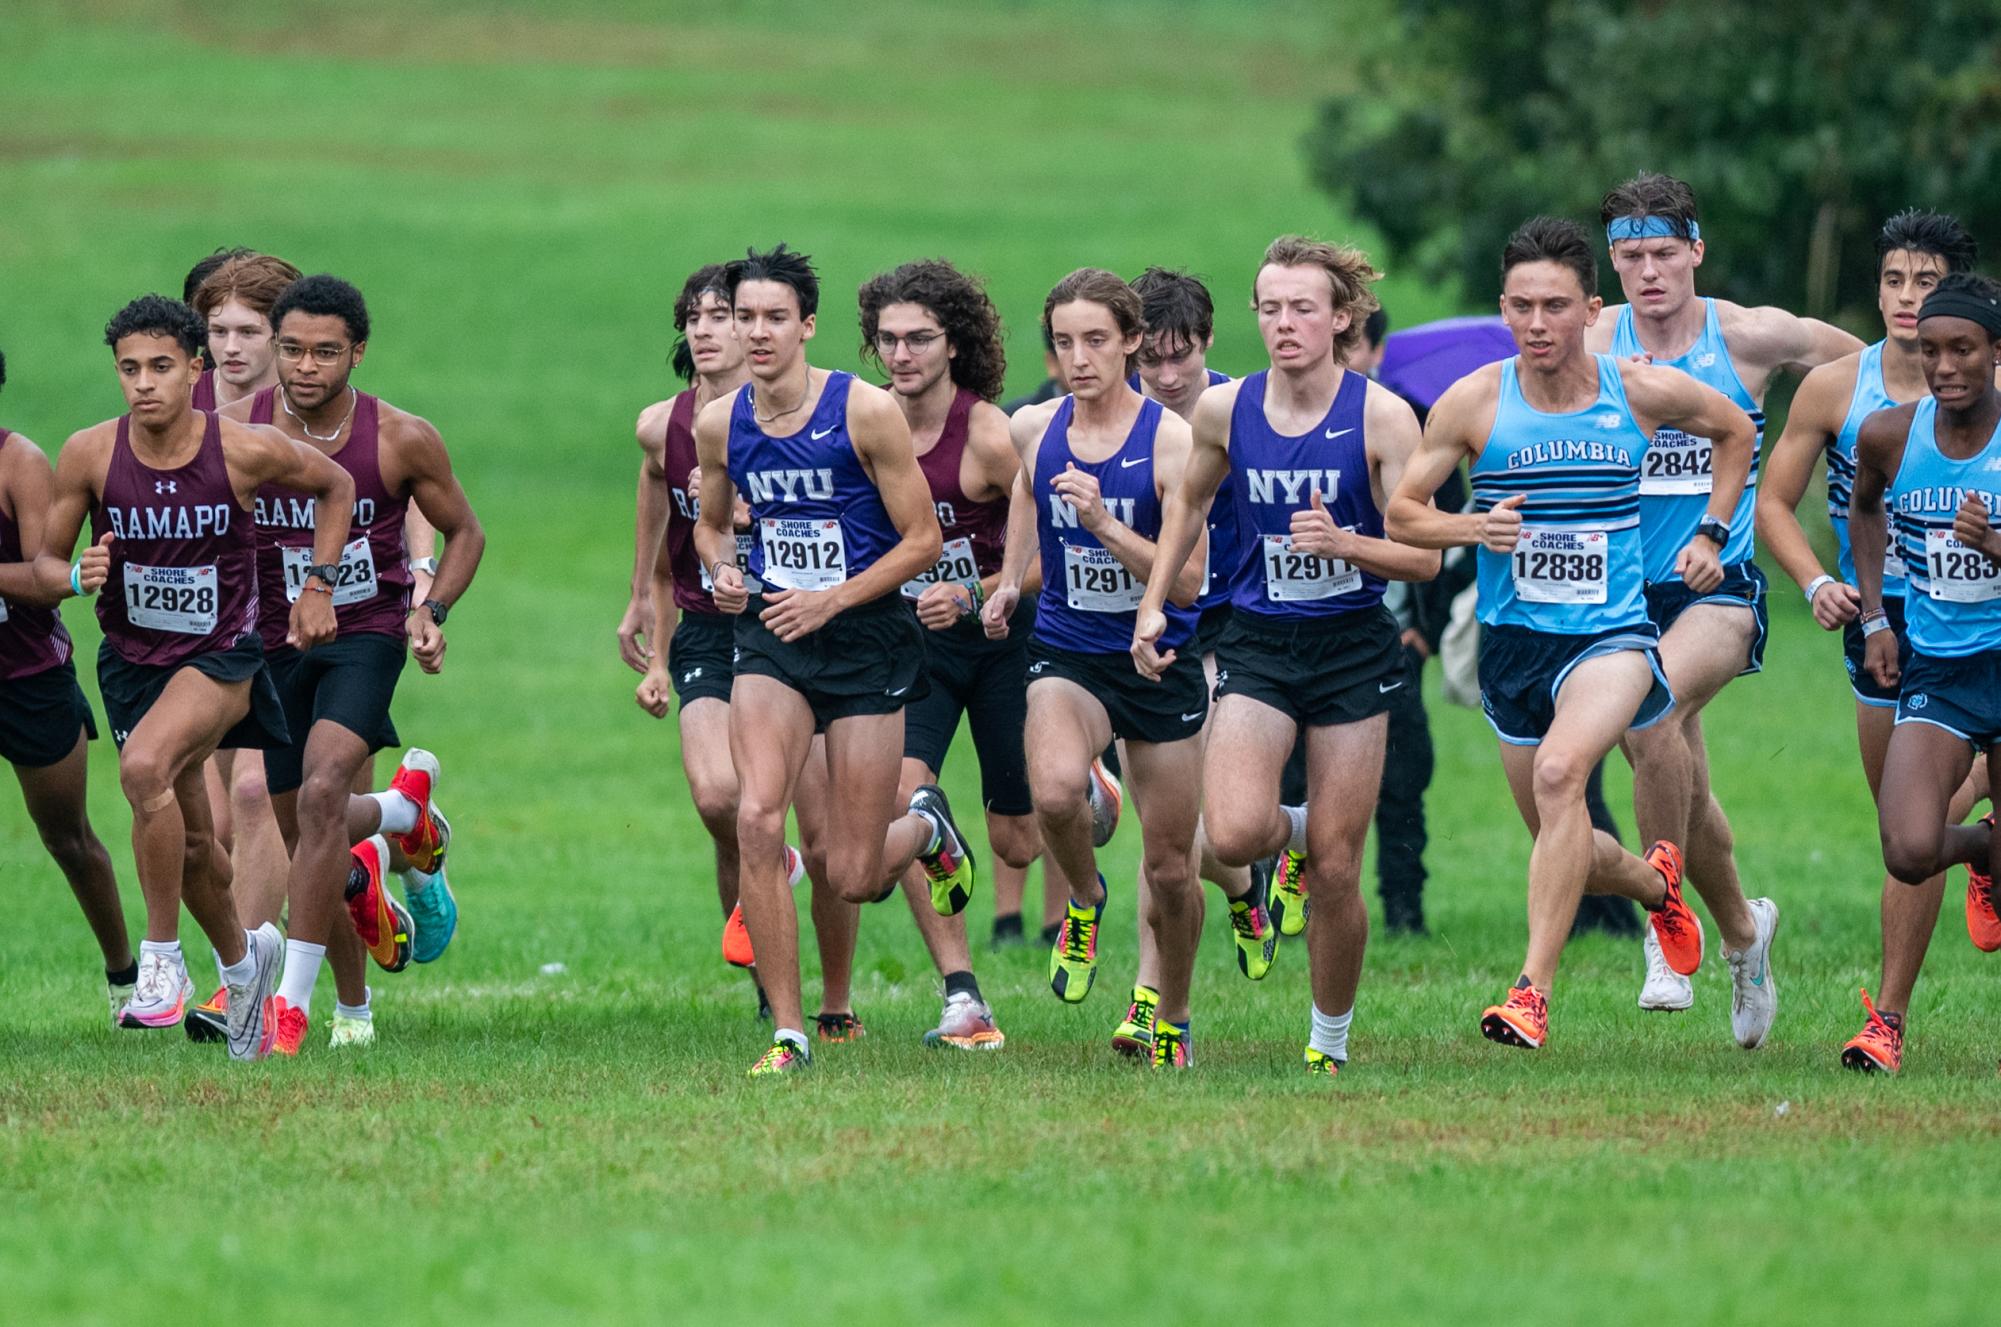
1743, 587
1169, 710
1316, 671
700, 657
350, 681
130, 689
867, 660
985, 682
41, 715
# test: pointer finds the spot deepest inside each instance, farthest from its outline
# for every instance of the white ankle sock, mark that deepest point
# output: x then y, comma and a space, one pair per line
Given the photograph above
302, 973
795, 1037
361, 1010
241, 972
1296, 816
1330, 1033
399, 813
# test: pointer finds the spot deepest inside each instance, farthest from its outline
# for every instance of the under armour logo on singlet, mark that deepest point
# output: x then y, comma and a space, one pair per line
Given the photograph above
164, 486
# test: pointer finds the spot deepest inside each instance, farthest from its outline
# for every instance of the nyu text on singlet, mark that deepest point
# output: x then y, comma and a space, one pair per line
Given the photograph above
1676, 474
975, 532
694, 591
1275, 475
1578, 568
816, 515
32, 638
184, 563
1089, 598
1952, 595
372, 591
1868, 398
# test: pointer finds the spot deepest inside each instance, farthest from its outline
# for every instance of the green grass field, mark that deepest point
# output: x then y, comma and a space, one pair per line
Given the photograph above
519, 195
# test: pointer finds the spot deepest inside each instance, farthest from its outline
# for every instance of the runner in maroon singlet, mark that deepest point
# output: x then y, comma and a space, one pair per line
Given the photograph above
671, 604
182, 669
204, 388
337, 694
45, 722
939, 337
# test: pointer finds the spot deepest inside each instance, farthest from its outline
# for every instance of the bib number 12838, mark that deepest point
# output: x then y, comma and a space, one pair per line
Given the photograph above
1561, 566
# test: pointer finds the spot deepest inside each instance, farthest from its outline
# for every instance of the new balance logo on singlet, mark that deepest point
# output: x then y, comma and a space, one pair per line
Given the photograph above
791, 485
1063, 516
1292, 486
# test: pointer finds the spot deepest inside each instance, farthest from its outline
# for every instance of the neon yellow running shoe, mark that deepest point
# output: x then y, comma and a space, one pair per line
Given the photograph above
784, 1057
1134, 1037
1171, 1047
351, 1031
949, 866
1288, 895
1319, 1064
1073, 963
1251, 925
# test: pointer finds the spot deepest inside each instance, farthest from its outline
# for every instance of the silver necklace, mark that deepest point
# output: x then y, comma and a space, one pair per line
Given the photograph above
285, 399
793, 410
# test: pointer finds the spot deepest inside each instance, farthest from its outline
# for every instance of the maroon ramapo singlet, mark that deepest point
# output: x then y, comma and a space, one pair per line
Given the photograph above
204, 395
680, 462
975, 532
184, 564
373, 596
32, 639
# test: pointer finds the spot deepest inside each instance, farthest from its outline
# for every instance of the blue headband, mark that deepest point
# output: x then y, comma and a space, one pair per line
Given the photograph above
1649, 228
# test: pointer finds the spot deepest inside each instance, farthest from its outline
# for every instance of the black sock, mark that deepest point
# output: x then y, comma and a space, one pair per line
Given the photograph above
961, 983
1891, 1017
125, 976
1522, 983
1050, 932
1007, 926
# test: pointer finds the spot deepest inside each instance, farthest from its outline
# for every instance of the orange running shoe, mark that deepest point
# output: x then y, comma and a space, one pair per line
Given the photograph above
379, 919
209, 1020
1879, 1047
1676, 926
1983, 924
291, 1028
1520, 1020
736, 941
417, 778
839, 1027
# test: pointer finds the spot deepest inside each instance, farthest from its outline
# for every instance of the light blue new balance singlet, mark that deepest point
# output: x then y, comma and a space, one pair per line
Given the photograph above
1952, 597
1869, 397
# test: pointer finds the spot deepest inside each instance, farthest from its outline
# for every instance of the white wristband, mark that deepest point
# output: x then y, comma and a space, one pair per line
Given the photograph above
1874, 625
1814, 586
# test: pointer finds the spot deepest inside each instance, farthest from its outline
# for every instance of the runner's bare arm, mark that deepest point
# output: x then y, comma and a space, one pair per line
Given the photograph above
1879, 454
995, 463
1184, 509
715, 539
435, 492
1456, 430
882, 439
420, 544
1816, 415
1390, 426
1771, 340
27, 483
1670, 398
1020, 554
257, 454
637, 638
80, 468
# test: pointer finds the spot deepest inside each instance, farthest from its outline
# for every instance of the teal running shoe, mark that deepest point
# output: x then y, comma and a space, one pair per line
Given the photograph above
433, 910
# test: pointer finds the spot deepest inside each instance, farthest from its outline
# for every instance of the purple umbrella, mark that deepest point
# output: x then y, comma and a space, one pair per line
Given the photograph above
1419, 363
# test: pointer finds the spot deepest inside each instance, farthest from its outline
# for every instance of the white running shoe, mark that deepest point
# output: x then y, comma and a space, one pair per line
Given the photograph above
351, 1031
1665, 989
253, 1023
160, 1000
966, 1024
1107, 797
1754, 992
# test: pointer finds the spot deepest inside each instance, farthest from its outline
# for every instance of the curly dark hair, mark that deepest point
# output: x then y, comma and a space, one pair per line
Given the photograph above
704, 280
156, 315
1933, 233
959, 303
324, 296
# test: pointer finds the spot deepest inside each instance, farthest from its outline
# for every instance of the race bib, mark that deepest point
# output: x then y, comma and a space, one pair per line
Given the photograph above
743, 547
177, 599
1561, 566
1292, 576
1675, 463
1096, 582
1959, 574
803, 554
955, 566
353, 584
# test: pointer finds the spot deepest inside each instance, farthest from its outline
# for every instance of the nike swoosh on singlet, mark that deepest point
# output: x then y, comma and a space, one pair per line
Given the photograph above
824, 432
1137, 460
1335, 433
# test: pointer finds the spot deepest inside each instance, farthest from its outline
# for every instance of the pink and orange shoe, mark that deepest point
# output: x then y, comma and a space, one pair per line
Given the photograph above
291, 1028
1879, 1047
1983, 924
1520, 1020
160, 999
417, 779
736, 941
379, 919
1676, 926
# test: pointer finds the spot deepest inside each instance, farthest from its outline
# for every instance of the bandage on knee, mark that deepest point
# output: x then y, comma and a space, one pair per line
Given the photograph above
160, 803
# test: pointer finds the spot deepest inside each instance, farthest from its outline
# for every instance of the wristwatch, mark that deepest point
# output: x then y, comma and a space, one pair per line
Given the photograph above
437, 610
429, 566
328, 572
1714, 530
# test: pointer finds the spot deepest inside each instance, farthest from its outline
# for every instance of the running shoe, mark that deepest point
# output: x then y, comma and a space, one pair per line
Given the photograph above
1664, 990
1251, 925
1983, 924
736, 941
1073, 963
119, 992
253, 1022
160, 998
209, 1020
434, 913
949, 865
1754, 992
1878, 1048
838, 1027
1108, 798
382, 923
1288, 896
966, 1024
291, 1023
1319, 1064
1172, 1048
1134, 1037
784, 1057
417, 778
1679, 929
349, 1030
1520, 1020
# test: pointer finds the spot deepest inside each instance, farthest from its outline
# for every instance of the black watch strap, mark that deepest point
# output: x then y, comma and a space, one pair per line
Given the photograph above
1714, 530
438, 611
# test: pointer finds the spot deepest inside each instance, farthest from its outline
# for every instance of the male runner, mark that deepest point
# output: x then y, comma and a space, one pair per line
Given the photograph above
1935, 464
45, 721
1558, 437
1710, 632
204, 388
938, 336
1095, 467
1180, 319
827, 646
182, 669
1312, 450
337, 695
1914, 251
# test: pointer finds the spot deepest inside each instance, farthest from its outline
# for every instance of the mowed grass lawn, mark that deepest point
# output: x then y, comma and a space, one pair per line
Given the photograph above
519, 192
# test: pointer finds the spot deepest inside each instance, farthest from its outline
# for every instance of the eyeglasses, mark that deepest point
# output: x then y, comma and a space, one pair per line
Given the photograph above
292, 350
919, 342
